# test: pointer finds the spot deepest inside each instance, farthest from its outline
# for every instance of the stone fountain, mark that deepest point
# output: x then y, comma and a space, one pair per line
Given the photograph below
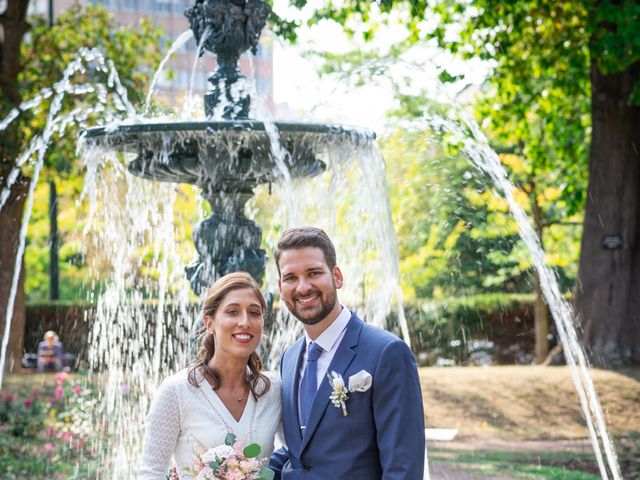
228, 154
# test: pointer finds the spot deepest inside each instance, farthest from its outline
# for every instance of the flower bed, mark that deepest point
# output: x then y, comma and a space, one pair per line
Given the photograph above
47, 431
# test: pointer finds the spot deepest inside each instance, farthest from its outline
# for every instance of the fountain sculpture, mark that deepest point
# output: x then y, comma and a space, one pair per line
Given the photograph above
228, 154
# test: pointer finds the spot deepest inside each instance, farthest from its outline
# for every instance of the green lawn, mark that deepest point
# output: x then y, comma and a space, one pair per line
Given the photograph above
519, 465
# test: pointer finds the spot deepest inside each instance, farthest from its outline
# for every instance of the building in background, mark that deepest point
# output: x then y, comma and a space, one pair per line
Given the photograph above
169, 14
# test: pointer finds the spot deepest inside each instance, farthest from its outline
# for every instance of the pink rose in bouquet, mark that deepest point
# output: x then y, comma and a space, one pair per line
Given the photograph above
231, 461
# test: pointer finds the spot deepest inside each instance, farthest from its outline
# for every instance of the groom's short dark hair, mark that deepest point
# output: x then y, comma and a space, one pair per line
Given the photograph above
301, 237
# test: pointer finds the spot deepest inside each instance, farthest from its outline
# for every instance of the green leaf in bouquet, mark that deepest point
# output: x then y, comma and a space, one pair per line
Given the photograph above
230, 439
252, 450
266, 474
214, 464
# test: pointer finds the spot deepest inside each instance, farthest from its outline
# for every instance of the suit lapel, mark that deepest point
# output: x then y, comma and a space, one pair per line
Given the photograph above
290, 384
341, 360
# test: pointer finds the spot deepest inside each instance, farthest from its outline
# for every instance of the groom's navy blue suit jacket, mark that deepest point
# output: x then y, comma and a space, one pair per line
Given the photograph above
382, 437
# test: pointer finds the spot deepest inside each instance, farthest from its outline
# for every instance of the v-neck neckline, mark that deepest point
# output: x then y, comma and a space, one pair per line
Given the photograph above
224, 411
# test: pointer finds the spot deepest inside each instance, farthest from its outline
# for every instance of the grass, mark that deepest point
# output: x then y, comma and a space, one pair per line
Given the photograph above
24, 384
517, 465
526, 422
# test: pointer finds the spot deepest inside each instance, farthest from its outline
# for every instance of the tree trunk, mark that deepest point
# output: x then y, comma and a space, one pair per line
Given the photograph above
540, 308
608, 287
13, 26
541, 322
54, 241
10, 221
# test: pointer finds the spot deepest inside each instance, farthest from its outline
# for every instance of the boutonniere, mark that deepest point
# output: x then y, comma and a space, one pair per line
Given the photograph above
360, 382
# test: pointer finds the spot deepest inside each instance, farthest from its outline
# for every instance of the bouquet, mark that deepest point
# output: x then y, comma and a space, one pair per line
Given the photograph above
231, 461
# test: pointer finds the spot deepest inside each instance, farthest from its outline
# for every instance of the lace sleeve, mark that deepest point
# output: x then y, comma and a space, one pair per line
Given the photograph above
162, 428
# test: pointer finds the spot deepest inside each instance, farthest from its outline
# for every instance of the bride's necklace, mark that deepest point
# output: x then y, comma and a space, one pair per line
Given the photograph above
239, 398
221, 418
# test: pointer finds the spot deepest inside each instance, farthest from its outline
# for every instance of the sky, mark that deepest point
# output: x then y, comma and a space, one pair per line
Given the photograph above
332, 98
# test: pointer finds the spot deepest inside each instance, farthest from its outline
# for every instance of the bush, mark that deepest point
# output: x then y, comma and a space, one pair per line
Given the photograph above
50, 433
70, 320
478, 329
73, 321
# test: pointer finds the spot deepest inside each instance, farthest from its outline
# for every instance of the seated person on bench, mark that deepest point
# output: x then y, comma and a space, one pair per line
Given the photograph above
50, 353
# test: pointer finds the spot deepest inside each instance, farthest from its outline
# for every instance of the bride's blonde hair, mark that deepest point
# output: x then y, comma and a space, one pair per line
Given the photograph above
258, 382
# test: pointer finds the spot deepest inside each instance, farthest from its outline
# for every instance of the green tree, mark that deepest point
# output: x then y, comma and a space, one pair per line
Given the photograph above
441, 251
574, 57
30, 63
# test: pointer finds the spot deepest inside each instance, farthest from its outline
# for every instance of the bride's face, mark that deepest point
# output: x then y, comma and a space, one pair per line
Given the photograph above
237, 323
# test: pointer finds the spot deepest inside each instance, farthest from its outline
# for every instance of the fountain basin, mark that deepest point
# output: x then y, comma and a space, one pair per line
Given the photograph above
226, 156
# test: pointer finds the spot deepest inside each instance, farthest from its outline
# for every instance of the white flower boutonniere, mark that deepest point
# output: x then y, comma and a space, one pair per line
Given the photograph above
339, 393
360, 382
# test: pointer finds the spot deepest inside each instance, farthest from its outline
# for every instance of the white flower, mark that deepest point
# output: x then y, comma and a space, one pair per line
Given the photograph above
360, 382
337, 381
221, 452
205, 474
339, 394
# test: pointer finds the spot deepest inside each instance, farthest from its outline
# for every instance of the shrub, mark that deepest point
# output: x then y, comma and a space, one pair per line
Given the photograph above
495, 328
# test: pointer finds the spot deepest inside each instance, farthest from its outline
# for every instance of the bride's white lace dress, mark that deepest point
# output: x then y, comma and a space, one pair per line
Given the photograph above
181, 413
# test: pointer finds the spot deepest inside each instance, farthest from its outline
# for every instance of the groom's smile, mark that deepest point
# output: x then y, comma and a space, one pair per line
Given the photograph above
308, 286
307, 300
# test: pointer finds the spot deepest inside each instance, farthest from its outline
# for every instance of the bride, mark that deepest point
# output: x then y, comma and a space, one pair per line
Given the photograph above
224, 392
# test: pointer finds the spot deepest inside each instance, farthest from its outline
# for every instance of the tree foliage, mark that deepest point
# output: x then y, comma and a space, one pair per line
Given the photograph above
46, 52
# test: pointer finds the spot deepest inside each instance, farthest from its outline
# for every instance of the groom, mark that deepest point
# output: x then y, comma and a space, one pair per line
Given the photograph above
374, 427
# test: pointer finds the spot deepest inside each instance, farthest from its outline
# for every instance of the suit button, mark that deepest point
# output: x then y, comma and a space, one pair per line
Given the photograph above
306, 468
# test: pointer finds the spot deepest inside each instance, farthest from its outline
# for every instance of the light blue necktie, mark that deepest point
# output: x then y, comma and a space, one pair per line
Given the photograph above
309, 383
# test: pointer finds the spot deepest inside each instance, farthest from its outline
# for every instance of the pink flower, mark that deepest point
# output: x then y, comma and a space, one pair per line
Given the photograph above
61, 377
238, 448
231, 462
77, 389
27, 402
9, 398
59, 392
234, 475
246, 466
66, 436
48, 447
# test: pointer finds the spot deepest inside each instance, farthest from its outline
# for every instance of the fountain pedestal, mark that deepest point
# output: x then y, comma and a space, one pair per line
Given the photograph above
226, 242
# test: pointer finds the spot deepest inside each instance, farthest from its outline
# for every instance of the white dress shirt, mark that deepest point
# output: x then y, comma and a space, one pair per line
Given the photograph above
329, 340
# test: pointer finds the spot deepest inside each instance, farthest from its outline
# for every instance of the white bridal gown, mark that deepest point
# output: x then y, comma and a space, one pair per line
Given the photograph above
181, 414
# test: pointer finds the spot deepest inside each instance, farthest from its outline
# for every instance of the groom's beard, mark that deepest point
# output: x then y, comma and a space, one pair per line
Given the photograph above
311, 317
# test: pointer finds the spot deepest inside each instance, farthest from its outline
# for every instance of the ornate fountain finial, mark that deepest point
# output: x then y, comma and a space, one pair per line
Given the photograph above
229, 28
